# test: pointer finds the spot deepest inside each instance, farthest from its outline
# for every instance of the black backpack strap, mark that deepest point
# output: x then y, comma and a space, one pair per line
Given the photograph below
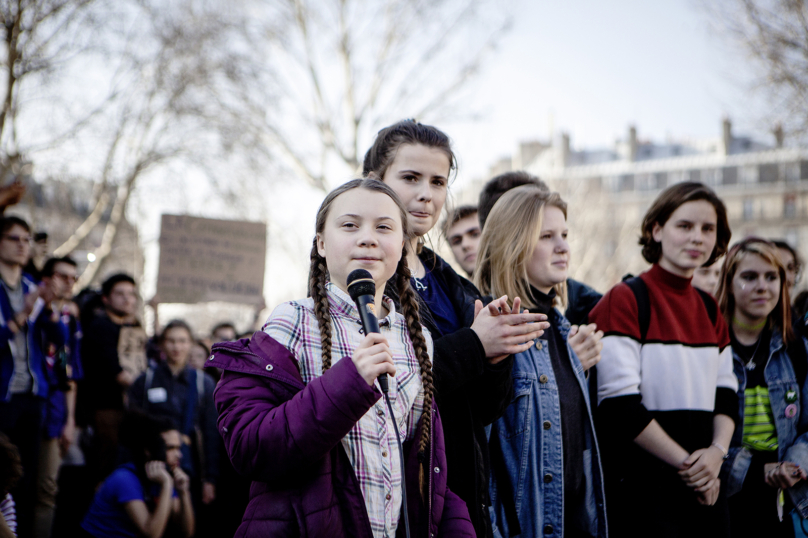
147, 383
709, 303
640, 291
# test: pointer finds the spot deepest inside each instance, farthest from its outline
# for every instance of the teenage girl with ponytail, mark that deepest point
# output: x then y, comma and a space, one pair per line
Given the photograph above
300, 408
473, 345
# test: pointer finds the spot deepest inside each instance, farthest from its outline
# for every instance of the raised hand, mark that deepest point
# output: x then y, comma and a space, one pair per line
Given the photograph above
156, 472
585, 341
181, 481
504, 331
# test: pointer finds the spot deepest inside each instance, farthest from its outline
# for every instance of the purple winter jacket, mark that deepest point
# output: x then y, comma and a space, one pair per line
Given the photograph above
286, 436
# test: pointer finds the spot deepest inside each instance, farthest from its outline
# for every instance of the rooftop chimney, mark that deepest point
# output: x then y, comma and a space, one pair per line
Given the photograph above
726, 136
563, 150
632, 143
779, 135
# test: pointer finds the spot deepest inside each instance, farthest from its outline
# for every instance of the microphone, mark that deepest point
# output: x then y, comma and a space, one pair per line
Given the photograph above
362, 289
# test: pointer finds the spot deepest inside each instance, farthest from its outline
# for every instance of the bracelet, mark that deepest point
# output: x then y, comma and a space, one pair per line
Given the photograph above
723, 450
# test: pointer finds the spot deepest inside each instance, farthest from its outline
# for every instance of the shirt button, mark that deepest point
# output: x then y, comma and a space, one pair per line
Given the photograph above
543, 378
210, 358
269, 368
388, 497
548, 529
380, 412
437, 470
547, 424
539, 346
384, 454
548, 478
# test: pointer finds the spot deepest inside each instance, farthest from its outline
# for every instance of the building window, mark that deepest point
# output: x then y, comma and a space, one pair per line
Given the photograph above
626, 183
748, 209
661, 180
694, 175
643, 182
792, 172
804, 170
749, 174
768, 173
729, 175
790, 206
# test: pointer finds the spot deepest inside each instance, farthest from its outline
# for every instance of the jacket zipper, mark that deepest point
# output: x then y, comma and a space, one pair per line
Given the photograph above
429, 470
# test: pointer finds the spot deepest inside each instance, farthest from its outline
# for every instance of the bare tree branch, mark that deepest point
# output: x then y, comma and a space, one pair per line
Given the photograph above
774, 36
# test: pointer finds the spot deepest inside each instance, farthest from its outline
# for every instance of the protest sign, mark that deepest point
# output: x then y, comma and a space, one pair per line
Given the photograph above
211, 260
132, 350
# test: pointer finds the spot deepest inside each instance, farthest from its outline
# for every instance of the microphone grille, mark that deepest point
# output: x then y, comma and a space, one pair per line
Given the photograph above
360, 282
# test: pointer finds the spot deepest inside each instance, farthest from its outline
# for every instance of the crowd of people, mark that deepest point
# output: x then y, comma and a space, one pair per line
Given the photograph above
519, 402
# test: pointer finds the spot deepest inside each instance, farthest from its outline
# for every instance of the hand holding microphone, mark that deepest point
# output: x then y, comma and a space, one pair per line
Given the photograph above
373, 357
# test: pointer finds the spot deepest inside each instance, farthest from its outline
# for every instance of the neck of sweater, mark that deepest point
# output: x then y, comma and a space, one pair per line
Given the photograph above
543, 301
666, 279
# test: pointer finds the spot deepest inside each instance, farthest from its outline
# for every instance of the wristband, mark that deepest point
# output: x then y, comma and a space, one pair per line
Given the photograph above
724, 451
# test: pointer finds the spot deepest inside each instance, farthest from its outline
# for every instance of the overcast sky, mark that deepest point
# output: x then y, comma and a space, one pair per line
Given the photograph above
591, 68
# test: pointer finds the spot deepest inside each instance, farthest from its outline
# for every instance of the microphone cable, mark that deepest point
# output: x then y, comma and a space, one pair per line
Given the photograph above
404, 507
362, 289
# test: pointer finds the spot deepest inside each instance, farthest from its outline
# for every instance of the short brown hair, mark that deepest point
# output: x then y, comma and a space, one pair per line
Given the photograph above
668, 202
456, 215
499, 185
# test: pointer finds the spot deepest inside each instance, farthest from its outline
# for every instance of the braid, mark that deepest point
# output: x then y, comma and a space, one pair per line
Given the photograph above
409, 308
317, 280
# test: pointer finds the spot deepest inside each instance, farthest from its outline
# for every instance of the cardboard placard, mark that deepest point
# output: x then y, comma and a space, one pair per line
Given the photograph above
211, 260
132, 350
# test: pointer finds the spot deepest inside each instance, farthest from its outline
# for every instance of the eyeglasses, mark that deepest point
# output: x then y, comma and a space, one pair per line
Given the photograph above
66, 278
18, 238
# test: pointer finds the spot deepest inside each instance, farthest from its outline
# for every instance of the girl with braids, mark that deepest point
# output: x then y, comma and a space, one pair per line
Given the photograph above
769, 449
547, 479
472, 344
300, 408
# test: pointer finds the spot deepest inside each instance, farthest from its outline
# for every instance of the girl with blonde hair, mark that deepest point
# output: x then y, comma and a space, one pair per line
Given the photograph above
546, 476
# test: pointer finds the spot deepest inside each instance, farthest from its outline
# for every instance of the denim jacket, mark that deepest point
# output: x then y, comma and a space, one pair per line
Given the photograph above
792, 447
527, 453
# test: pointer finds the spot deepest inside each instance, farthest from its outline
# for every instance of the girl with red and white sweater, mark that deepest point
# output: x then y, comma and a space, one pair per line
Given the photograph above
666, 388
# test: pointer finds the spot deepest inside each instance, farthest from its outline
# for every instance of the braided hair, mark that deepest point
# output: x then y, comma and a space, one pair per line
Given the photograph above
318, 277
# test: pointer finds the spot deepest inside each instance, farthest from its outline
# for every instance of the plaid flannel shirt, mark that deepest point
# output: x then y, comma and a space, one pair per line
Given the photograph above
371, 443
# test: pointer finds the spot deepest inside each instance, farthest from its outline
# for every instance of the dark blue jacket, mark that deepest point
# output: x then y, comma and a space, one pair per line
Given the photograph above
40, 330
180, 399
